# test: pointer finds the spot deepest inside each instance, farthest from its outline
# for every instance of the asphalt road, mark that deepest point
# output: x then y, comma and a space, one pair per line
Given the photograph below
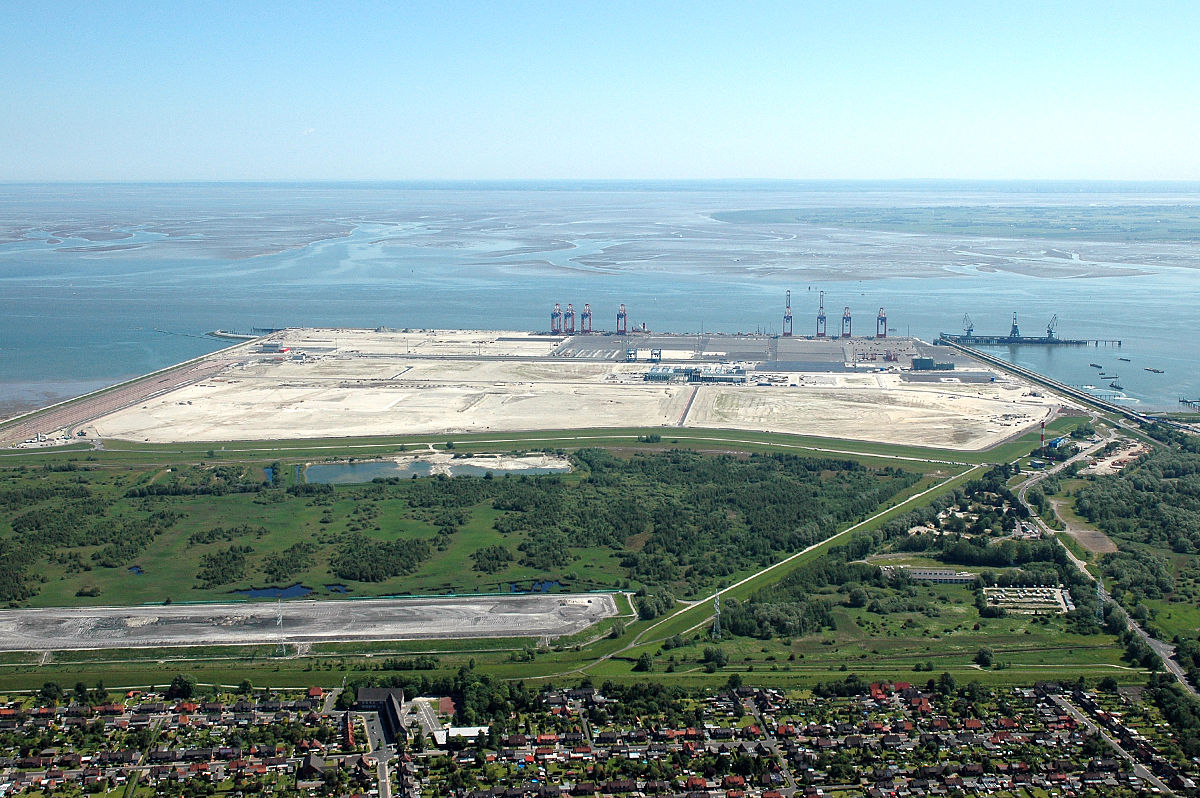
426, 717
1139, 769
1165, 651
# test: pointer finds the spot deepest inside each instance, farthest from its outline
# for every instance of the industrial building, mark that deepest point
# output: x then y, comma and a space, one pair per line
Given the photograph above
715, 374
389, 703
940, 576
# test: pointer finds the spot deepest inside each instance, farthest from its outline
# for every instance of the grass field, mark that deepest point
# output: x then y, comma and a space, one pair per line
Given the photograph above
166, 569
892, 645
1174, 618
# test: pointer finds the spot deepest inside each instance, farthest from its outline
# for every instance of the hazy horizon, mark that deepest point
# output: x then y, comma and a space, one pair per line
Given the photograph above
135, 92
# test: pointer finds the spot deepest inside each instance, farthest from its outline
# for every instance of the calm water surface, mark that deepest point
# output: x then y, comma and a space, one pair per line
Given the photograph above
102, 283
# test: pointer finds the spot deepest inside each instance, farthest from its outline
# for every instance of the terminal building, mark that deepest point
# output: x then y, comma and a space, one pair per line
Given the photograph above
929, 364
730, 375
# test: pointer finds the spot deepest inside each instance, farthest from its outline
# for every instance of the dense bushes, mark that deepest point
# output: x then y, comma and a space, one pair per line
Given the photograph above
685, 520
1181, 711
1140, 573
1170, 435
1157, 501
758, 618
1187, 653
490, 559
202, 481
651, 605
220, 533
678, 522
288, 563
364, 559
71, 518
222, 567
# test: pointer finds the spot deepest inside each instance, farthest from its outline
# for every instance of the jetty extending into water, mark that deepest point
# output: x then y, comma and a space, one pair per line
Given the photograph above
1023, 340
255, 332
1042, 379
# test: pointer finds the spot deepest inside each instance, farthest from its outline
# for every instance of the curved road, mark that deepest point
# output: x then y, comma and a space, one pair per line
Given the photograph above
1164, 650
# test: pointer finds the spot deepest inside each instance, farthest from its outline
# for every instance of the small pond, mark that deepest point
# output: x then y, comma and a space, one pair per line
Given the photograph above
136, 569
537, 586
294, 591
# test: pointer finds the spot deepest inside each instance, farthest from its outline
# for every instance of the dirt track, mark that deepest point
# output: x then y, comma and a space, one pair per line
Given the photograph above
1091, 539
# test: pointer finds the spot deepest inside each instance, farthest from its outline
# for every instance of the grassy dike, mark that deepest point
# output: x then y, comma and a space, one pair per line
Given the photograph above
314, 449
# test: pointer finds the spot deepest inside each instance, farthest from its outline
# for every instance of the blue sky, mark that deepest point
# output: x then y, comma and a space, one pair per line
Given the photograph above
495, 90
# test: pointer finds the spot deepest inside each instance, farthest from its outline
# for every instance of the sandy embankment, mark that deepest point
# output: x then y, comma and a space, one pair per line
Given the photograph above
441, 461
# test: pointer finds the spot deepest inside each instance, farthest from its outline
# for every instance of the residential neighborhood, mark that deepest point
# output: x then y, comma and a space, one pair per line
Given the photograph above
846, 738
890, 739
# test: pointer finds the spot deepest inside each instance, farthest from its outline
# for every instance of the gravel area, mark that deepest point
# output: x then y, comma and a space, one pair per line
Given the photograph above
63, 628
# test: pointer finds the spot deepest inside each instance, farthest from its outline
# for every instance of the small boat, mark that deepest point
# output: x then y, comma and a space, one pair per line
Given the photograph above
1095, 365
1089, 387
1117, 385
1155, 371
1123, 358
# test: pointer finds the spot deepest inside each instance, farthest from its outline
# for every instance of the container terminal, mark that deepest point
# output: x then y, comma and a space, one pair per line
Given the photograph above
295, 383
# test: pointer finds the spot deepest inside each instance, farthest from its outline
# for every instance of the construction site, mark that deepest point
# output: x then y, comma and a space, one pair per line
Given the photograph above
63, 628
318, 383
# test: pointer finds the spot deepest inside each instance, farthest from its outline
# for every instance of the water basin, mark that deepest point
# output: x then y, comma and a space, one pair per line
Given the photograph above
537, 586
294, 591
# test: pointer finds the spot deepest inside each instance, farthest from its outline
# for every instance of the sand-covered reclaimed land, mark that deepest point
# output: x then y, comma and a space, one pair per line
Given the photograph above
443, 462
341, 383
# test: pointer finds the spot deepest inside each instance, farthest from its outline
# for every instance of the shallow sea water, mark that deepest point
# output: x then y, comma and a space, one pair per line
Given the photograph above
101, 283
